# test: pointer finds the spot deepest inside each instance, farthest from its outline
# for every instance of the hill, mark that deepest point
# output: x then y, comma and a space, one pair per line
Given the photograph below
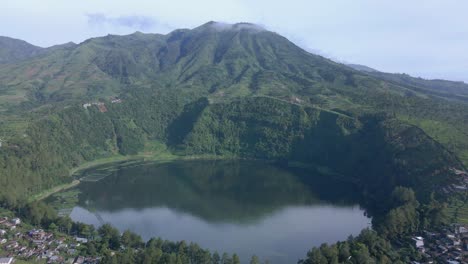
231, 90
13, 50
438, 88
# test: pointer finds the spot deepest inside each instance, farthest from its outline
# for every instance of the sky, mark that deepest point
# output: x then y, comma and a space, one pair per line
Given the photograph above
424, 38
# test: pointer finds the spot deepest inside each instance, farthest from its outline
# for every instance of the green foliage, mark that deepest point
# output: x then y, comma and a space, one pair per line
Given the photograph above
402, 216
377, 151
368, 247
110, 236
222, 65
13, 50
240, 93
40, 214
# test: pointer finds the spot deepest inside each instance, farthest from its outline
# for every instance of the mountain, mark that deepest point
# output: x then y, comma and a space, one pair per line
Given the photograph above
13, 50
220, 89
438, 88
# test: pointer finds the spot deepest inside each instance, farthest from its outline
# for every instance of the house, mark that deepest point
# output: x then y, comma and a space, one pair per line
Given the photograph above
2, 232
442, 249
79, 260
6, 260
3, 241
86, 105
418, 241
16, 221
462, 229
81, 240
12, 245
37, 234
55, 259
102, 107
465, 244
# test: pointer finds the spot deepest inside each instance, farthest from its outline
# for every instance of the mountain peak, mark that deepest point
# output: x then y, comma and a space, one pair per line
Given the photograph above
13, 50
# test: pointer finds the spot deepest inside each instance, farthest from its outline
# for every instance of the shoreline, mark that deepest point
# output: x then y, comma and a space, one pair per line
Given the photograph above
157, 157
43, 195
160, 157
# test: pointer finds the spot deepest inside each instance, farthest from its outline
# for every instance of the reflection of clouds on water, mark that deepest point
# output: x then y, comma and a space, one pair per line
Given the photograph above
285, 235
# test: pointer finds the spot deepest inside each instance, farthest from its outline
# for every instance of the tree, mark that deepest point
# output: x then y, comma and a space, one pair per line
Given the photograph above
254, 260
131, 240
53, 227
110, 235
226, 259
343, 251
91, 248
360, 254
215, 259
235, 259
403, 196
65, 224
330, 253
315, 256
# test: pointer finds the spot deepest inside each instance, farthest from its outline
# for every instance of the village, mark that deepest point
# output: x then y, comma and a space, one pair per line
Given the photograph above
18, 242
448, 246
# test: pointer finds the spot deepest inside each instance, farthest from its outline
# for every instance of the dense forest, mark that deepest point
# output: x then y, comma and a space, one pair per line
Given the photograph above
377, 151
235, 93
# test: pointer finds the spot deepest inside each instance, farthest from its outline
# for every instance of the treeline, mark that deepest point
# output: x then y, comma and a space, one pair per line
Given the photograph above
377, 151
115, 247
400, 217
52, 145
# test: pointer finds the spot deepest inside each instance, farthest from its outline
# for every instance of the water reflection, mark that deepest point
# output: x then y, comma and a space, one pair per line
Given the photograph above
230, 206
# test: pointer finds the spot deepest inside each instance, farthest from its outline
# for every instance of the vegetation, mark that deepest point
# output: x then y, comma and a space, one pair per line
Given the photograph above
402, 216
241, 92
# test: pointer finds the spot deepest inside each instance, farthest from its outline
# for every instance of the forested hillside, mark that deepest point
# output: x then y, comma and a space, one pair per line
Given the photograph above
374, 151
228, 90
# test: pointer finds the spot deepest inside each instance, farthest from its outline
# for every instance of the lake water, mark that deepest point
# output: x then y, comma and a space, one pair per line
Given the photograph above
241, 207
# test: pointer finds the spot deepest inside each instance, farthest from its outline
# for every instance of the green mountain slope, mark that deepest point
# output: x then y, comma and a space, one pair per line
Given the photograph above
232, 90
438, 88
225, 61
13, 50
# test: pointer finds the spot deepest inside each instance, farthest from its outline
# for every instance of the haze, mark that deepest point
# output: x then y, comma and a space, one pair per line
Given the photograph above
422, 38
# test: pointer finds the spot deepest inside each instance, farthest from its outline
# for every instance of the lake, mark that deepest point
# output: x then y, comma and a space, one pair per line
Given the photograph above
243, 207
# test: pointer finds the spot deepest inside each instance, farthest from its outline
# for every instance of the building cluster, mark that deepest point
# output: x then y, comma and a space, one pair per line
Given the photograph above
38, 244
116, 100
102, 106
448, 246
461, 186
